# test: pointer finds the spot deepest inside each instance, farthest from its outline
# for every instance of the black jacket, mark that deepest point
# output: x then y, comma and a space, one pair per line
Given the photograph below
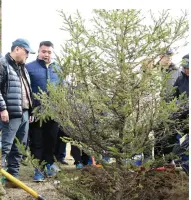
10, 86
182, 85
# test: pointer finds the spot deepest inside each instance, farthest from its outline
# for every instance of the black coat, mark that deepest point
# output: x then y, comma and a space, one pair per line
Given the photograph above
182, 85
10, 87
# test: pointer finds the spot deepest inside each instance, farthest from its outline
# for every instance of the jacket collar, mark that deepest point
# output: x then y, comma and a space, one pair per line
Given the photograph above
183, 74
42, 62
12, 62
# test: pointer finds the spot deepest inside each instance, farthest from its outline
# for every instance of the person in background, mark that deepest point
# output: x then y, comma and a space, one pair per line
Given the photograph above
182, 82
166, 66
182, 85
43, 138
60, 150
182, 141
80, 157
15, 104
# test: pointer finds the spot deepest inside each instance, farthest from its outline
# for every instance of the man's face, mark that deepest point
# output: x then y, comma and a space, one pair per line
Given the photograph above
45, 53
21, 55
186, 71
166, 60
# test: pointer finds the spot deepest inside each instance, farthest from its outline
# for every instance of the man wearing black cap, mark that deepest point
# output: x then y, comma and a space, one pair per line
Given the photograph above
15, 104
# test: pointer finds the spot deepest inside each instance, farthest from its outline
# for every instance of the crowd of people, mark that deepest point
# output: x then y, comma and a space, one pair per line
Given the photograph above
18, 83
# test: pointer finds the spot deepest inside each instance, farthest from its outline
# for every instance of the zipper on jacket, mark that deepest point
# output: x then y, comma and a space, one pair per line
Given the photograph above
8, 84
47, 76
19, 72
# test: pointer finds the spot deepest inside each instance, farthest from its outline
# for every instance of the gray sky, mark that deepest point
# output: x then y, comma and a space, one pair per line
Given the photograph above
38, 20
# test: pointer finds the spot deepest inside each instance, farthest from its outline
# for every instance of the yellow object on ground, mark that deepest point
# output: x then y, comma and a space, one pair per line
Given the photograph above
21, 185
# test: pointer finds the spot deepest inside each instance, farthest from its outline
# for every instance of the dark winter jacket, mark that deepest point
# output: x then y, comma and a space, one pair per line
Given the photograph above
40, 75
10, 86
182, 85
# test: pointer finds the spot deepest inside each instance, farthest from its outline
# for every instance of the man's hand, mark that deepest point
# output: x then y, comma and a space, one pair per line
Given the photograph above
5, 116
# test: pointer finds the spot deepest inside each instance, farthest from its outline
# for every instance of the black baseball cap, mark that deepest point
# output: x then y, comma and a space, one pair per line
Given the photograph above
23, 43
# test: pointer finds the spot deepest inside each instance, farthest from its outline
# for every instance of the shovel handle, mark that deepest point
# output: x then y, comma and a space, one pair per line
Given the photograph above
21, 185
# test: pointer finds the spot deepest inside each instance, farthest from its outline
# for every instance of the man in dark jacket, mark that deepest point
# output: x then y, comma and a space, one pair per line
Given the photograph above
182, 82
169, 69
182, 85
15, 103
43, 138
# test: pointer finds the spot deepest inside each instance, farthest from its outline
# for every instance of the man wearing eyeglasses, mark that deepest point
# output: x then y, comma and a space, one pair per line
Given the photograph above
15, 104
169, 68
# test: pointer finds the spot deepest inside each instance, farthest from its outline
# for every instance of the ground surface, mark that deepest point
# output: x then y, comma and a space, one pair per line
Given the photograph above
45, 189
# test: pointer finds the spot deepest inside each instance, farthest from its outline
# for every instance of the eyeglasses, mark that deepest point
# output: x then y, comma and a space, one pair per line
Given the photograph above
25, 50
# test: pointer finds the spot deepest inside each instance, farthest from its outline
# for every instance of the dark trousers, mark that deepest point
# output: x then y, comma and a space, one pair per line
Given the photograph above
79, 157
60, 150
43, 140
